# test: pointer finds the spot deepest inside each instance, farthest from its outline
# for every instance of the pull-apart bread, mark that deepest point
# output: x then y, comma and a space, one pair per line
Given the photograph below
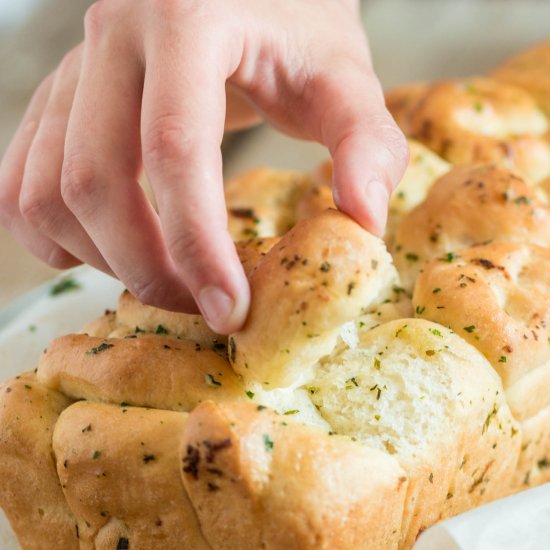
337, 420
362, 401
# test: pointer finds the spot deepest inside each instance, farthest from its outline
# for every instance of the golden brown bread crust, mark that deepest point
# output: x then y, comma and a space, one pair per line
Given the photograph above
148, 371
411, 393
259, 480
423, 169
534, 461
30, 492
252, 252
119, 468
323, 273
479, 120
495, 296
262, 202
470, 205
530, 70
401, 102
133, 317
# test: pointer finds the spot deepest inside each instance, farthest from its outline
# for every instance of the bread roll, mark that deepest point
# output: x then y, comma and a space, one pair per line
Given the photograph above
403, 100
30, 491
262, 202
534, 461
529, 70
479, 120
119, 468
133, 317
258, 480
423, 169
323, 273
148, 371
422, 394
468, 206
497, 297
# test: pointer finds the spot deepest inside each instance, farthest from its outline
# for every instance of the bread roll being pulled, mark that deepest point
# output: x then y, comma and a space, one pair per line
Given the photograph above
325, 272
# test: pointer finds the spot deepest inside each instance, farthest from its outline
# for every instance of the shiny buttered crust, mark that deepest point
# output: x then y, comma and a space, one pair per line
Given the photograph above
30, 491
119, 468
144, 370
496, 297
529, 70
479, 120
260, 480
470, 205
323, 273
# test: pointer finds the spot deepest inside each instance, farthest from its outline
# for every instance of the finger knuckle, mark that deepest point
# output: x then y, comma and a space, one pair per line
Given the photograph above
78, 181
166, 139
35, 204
94, 19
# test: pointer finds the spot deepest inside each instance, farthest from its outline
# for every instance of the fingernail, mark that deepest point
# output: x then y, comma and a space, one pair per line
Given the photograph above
377, 199
216, 306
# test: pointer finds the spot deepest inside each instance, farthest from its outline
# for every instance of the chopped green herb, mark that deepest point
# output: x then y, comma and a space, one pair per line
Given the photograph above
96, 455
411, 256
250, 394
268, 444
420, 309
449, 257
436, 332
470, 328
325, 266
161, 330
100, 348
502, 359
377, 363
66, 284
293, 411
436, 290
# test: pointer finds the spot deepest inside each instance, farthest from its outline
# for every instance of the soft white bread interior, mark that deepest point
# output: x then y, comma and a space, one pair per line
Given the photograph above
30, 491
419, 392
322, 274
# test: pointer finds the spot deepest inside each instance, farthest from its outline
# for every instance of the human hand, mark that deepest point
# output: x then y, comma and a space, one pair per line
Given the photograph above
148, 89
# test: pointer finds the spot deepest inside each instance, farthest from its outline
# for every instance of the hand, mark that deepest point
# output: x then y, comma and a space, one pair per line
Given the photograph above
148, 88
